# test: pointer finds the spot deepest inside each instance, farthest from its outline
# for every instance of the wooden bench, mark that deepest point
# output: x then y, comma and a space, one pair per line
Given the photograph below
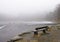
44, 29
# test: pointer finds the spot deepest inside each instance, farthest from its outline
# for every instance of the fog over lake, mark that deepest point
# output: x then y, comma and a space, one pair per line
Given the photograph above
28, 10
17, 16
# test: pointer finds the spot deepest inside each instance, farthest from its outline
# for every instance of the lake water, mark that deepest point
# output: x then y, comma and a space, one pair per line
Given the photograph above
13, 29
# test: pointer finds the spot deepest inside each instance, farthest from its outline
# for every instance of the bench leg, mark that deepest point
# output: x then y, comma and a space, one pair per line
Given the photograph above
44, 31
35, 32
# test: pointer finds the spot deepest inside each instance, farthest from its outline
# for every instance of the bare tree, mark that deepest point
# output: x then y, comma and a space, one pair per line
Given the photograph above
57, 12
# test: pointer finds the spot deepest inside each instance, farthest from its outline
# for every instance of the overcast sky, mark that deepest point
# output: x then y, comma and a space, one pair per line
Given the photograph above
26, 9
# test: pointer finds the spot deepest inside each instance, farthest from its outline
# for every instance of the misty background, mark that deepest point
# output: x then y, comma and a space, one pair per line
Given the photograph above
29, 10
14, 13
